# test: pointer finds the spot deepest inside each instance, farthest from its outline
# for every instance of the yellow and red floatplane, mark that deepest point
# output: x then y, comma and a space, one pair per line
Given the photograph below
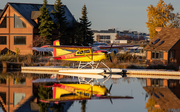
73, 92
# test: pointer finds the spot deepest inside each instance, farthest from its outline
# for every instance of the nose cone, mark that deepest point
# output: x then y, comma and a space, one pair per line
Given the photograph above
104, 51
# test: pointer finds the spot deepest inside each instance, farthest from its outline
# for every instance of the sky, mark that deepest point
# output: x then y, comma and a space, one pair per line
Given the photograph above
105, 14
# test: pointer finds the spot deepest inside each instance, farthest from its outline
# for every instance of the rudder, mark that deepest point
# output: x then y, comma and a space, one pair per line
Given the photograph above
58, 51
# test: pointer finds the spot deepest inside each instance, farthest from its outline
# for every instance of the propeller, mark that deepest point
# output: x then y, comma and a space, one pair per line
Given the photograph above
109, 94
110, 87
110, 47
109, 55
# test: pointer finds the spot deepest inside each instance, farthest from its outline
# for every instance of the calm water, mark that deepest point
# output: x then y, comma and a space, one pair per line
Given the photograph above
122, 87
16, 93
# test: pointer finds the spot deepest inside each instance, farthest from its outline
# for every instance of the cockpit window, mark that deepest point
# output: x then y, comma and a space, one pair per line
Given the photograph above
81, 52
87, 51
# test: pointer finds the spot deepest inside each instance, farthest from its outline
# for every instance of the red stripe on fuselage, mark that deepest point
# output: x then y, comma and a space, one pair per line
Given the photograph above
70, 57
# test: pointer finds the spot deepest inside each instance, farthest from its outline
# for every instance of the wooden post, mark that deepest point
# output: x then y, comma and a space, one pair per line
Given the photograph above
4, 64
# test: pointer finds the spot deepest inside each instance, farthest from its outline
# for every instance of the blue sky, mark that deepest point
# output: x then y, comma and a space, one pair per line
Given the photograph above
105, 14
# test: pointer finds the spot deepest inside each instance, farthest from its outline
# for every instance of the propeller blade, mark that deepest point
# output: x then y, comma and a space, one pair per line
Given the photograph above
146, 96
110, 58
110, 47
110, 100
110, 87
91, 90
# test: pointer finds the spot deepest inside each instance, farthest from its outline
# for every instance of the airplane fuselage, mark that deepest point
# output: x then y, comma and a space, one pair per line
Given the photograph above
81, 89
85, 55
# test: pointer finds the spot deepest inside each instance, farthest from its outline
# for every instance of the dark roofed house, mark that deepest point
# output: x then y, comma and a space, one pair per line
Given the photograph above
165, 47
19, 25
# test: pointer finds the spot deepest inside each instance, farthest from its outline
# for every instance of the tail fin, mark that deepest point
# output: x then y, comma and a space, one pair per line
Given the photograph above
57, 51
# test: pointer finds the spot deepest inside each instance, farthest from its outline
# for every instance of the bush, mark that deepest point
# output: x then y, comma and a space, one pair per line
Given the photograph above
172, 66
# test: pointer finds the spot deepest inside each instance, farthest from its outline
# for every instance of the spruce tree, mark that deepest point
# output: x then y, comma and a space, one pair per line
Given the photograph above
61, 22
44, 93
85, 30
77, 35
46, 23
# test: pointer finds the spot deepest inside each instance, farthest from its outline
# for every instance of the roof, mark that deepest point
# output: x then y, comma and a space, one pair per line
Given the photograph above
164, 96
170, 36
25, 10
0, 11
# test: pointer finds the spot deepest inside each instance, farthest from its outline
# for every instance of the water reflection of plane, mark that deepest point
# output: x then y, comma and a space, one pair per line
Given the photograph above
165, 93
60, 107
74, 92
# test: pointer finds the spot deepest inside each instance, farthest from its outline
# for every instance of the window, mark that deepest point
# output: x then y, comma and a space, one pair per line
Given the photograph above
19, 40
80, 52
156, 82
156, 55
172, 54
161, 55
3, 40
3, 96
3, 24
152, 55
104, 37
20, 81
18, 23
86, 51
2, 81
18, 97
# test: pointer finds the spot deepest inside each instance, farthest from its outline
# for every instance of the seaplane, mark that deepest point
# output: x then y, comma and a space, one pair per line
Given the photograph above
88, 54
73, 92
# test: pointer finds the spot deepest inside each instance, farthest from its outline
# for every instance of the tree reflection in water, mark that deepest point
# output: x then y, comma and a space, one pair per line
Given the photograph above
150, 106
83, 105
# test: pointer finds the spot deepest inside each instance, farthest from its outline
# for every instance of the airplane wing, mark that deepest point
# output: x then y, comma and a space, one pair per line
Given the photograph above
76, 98
115, 46
67, 47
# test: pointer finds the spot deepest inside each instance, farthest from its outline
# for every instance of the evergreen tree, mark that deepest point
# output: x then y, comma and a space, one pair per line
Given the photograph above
46, 23
161, 16
60, 20
44, 93
85, 30
77, 35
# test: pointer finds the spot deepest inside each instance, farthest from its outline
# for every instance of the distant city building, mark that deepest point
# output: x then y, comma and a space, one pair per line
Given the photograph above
113, 36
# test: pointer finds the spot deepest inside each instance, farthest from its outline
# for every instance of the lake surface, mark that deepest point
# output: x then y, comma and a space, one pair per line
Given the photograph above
18, 94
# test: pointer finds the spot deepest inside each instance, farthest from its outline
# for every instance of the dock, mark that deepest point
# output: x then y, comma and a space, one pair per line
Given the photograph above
56, 69
116, 72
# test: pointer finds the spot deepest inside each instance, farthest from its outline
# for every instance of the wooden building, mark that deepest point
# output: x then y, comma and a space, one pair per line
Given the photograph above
19, 25
164, 47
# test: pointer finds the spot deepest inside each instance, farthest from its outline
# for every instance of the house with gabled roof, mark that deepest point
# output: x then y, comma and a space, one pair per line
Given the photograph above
19, 25
164, 47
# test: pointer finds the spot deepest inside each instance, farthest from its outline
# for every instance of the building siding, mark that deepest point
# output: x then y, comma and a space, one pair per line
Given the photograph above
28, 32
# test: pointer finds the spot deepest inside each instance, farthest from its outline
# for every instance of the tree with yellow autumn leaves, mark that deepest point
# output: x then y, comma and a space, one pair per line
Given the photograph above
161, 16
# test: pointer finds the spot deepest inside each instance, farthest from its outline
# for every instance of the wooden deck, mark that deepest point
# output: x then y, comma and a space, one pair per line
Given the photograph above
56, 69
115, 71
